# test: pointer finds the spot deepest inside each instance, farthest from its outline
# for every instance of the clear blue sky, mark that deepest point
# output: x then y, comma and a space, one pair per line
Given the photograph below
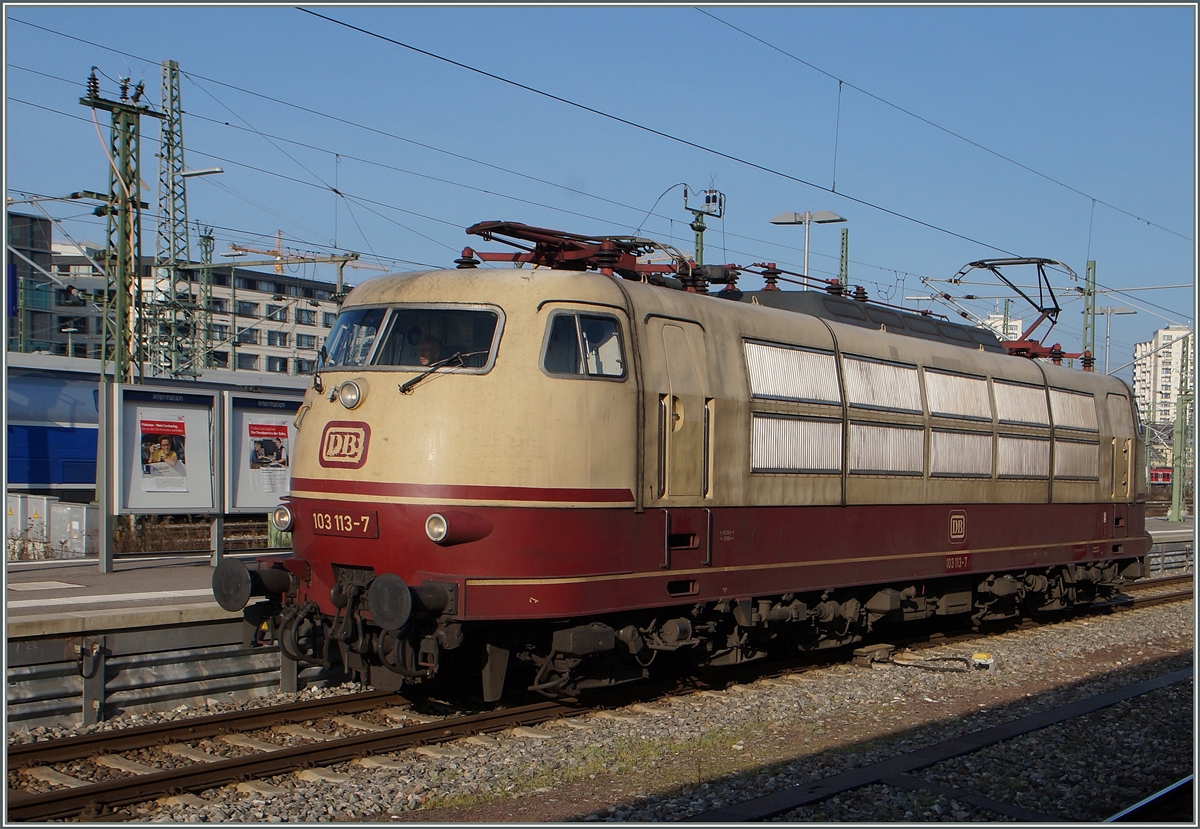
1082, 121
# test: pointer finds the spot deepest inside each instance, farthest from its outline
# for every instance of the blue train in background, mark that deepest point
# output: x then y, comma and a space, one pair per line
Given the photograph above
52, 425
53, 419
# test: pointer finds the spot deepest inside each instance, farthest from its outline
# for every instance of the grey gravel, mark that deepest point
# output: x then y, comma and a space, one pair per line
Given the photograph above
771, 734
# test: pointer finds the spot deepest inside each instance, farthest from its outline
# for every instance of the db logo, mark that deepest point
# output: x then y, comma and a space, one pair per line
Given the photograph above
958, 526
344, 444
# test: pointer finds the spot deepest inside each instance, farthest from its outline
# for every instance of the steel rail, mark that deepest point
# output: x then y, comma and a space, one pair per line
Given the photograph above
1173, 804
898, 767
130, 739
92, 799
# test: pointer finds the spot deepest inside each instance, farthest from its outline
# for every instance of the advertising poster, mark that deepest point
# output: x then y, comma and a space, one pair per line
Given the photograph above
162, 446
270, 470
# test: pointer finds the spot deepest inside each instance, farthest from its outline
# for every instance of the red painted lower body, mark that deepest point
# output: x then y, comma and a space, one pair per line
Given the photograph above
540, 563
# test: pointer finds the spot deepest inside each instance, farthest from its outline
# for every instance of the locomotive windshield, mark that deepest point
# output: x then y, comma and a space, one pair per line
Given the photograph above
412, 337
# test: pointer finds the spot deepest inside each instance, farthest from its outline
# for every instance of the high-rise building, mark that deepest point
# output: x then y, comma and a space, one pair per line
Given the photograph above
30, 299
1011, 330
1158, 373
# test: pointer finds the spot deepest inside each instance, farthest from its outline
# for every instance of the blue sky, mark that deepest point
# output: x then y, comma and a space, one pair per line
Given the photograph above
944, 135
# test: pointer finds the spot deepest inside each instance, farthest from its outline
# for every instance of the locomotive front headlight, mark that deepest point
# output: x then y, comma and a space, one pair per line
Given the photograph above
281, 518
436, 527
350, 394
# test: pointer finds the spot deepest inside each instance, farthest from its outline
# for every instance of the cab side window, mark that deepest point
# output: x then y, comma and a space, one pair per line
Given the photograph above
584, 345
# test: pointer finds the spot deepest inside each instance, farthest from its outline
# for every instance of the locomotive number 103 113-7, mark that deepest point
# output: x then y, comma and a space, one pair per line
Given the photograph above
359, 525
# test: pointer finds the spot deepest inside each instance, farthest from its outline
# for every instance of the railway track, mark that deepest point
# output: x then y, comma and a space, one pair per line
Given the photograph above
270, 741
198, 770
898, 771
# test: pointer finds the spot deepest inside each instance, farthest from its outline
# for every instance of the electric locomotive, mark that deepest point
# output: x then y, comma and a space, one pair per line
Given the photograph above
564, 470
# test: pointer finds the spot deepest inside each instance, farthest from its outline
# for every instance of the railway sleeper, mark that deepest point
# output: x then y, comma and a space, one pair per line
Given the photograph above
566, 657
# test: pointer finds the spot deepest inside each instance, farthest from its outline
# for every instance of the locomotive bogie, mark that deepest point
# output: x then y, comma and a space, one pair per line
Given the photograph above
569, 475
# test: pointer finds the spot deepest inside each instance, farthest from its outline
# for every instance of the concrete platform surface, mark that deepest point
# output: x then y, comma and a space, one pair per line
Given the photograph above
47, 597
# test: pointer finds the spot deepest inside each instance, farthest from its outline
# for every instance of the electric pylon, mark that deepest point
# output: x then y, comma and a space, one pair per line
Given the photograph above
122, 338
172, 332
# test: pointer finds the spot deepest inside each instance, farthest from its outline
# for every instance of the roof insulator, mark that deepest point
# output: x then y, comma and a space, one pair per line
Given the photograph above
771, 275
467, 260
607, 255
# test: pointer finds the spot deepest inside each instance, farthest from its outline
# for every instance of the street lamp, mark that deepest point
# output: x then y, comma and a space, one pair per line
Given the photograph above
1108, 312
203, 171
821, 217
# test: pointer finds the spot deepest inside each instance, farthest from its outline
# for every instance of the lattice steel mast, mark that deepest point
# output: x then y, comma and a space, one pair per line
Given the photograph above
175, 325
121, 346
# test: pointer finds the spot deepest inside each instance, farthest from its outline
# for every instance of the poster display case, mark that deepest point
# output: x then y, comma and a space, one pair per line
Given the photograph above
260, 435
166, 461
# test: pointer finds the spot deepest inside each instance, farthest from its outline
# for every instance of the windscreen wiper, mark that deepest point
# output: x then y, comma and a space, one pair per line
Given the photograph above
455, 359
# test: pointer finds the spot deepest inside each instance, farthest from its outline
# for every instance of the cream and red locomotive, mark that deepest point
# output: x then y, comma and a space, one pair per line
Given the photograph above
561, 473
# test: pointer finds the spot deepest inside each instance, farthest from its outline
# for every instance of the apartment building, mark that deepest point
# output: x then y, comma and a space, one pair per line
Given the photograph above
1158, 373
1010, 330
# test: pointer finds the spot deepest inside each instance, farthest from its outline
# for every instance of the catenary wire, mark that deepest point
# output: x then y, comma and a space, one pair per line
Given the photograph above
651, 130
937, 126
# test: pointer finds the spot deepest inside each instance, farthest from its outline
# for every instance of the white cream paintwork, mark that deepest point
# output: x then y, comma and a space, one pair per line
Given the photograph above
516, 426
513, 426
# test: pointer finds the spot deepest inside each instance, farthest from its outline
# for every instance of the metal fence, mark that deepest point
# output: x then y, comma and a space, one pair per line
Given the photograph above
65, 680
1171, 554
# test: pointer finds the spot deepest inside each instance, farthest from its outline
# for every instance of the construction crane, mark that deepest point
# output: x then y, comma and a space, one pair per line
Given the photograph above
278, 252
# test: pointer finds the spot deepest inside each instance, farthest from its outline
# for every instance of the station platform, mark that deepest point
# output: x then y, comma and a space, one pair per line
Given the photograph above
73, 596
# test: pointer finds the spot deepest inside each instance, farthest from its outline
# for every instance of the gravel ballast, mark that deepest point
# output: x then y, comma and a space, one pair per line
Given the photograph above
698, 752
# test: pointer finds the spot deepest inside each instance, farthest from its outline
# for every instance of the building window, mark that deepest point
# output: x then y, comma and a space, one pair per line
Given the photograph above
247, 335
220, 333
305, 366
218, 306
220, 359
278, 313
247, 361
277, 365
306, 316
306, 341
247, 309
327, 319
279, 339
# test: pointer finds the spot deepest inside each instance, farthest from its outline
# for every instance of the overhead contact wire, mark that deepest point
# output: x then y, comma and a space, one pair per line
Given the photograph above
653, 131
936, 126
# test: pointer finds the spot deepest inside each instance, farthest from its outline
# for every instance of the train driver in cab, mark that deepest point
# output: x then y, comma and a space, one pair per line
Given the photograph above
429, 351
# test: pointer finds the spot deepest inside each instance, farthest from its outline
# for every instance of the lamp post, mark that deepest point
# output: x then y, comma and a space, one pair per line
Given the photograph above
203, 171
806, 218
1108, 313
69, 330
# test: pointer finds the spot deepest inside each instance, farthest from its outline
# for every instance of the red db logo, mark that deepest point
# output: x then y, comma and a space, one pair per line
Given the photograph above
958, 526
344, 444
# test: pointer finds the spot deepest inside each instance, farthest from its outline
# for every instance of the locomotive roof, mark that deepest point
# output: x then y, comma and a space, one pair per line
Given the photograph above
867, 315
857, 324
